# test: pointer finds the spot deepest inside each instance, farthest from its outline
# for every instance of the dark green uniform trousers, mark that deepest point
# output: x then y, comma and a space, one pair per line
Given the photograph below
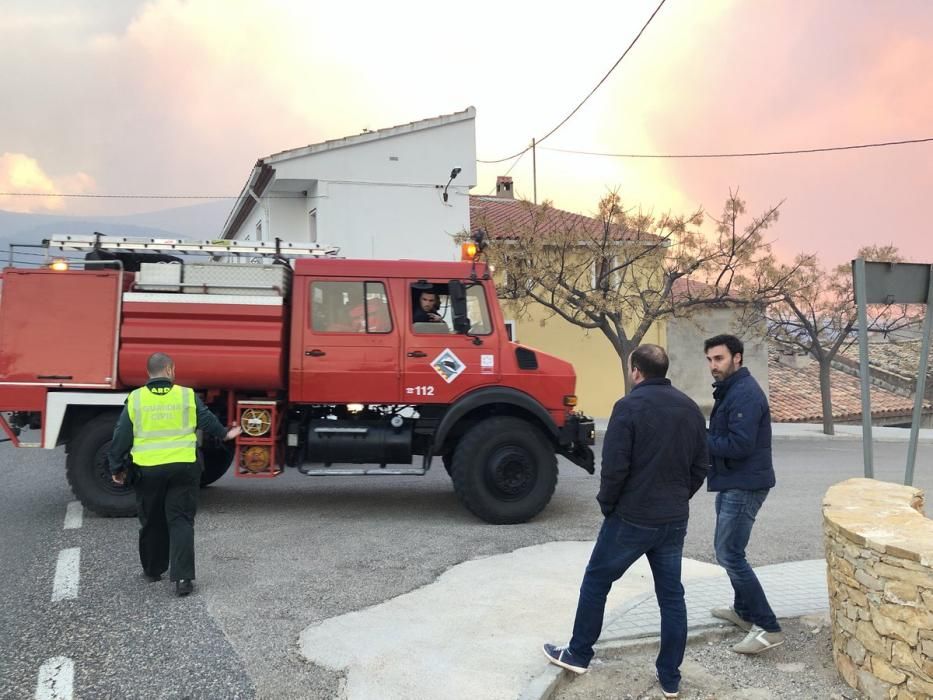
166, 501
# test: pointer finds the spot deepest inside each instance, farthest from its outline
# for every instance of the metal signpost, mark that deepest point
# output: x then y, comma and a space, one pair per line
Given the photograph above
892, 283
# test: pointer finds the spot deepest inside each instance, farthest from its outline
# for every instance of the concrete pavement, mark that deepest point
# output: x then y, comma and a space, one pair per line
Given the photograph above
809, 431
476, 632
794, 589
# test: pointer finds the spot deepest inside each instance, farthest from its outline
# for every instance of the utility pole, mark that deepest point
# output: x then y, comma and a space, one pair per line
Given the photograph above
534, 170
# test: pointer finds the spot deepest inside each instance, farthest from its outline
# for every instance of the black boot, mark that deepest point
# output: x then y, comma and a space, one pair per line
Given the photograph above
183, 587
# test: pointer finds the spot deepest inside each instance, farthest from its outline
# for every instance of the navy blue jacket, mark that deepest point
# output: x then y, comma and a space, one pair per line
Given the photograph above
740, 435
654, 455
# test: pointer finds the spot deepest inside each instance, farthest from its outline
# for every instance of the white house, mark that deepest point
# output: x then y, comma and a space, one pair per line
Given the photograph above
400, 192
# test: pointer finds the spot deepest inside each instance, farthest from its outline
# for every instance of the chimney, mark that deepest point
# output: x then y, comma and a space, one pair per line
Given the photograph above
504, 187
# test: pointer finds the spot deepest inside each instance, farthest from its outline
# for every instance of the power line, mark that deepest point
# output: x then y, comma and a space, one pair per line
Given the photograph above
296, 195
17, 253
589, 95
511, 168
750, 154
116, 196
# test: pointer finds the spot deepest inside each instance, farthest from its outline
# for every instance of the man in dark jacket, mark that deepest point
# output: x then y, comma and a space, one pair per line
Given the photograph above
654, 460
742, 473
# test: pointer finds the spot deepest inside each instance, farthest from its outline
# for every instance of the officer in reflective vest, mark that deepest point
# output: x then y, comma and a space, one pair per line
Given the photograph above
158, 429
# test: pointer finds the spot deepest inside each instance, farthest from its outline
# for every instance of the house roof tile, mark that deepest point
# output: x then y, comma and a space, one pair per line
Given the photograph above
901, 358
794, 394
501, 216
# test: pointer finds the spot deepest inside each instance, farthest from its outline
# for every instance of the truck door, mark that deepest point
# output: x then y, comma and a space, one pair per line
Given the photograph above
439, 364
350, 343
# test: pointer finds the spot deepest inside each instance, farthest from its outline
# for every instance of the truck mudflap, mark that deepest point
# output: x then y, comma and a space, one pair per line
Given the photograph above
574, 441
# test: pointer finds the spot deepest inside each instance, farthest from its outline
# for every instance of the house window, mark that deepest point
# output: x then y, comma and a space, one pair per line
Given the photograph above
312, 225
604, 278
511, 330
259, 231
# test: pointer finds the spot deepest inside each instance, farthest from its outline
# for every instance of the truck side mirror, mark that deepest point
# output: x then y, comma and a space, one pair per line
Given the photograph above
458, 305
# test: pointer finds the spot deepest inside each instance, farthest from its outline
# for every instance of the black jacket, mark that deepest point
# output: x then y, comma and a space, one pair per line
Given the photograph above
740, 435
654, 455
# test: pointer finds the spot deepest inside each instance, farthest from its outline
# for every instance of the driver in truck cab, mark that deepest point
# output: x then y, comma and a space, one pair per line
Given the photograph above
426, 310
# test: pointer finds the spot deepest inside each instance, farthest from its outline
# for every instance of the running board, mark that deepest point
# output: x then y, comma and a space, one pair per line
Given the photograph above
326, 471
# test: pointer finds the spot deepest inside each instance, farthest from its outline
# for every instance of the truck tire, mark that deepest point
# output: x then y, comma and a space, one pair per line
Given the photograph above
504, 470
88, 471
215, 460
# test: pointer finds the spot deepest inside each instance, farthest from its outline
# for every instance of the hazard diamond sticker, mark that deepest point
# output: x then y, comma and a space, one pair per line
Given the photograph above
448, 365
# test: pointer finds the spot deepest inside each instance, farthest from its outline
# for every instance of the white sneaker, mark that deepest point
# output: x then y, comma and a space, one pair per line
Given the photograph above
730, 615
758, 640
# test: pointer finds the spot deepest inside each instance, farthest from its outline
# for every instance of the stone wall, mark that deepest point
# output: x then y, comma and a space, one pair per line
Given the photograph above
879, 554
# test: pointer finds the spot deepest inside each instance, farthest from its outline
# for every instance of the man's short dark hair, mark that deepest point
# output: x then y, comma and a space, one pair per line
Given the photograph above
158, 363
733, 344
650, 360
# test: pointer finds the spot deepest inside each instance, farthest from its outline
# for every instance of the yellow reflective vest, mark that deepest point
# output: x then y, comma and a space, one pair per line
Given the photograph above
164, 426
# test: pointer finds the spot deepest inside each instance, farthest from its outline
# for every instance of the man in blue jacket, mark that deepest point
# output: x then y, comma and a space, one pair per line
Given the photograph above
654, 460
742, 474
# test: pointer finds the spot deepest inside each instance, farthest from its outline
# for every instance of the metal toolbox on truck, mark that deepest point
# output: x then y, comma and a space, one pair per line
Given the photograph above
237, 279
159, 277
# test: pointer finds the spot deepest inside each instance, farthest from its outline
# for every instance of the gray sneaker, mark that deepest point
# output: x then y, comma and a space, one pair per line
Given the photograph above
757, 641
730, 615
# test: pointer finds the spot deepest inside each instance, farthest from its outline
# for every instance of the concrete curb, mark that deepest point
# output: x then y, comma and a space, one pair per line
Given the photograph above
544, 684
813, 431
552, 678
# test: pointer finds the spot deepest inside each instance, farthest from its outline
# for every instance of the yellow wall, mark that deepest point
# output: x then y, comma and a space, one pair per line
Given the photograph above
600, 382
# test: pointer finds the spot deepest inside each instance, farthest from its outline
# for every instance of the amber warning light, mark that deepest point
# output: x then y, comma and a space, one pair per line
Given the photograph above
59, 265
468, 251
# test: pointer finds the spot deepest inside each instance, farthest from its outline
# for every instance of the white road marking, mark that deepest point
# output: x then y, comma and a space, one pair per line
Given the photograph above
67, 574
56, 679
74, 516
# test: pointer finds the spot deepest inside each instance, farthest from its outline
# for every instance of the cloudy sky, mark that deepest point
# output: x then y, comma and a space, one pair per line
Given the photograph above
182, 96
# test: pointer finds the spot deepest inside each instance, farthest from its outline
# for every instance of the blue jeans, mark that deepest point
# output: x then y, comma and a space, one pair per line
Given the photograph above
618, 546
735, 515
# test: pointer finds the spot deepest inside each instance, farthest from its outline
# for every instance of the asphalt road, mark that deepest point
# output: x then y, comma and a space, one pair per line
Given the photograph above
275, 556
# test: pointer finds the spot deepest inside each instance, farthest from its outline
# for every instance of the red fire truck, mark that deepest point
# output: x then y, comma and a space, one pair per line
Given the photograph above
318, 358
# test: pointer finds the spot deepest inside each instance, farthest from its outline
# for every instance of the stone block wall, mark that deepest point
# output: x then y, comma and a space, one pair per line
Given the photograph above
879, 555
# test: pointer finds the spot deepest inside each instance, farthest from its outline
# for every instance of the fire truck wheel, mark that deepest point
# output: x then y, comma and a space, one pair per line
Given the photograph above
89, 473
504, 470
216, 460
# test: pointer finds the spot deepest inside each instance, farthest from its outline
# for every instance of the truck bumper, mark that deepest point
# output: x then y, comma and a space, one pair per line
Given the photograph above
574, 441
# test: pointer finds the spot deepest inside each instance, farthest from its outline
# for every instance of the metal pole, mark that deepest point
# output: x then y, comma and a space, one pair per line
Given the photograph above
921, 388
534, 169
861, 294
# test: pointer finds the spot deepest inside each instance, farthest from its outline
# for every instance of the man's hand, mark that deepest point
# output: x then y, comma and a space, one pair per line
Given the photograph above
119, 477
435, 318
233, 432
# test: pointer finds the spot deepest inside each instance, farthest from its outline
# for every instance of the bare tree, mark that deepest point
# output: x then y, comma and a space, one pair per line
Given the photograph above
622, 271
817, 315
